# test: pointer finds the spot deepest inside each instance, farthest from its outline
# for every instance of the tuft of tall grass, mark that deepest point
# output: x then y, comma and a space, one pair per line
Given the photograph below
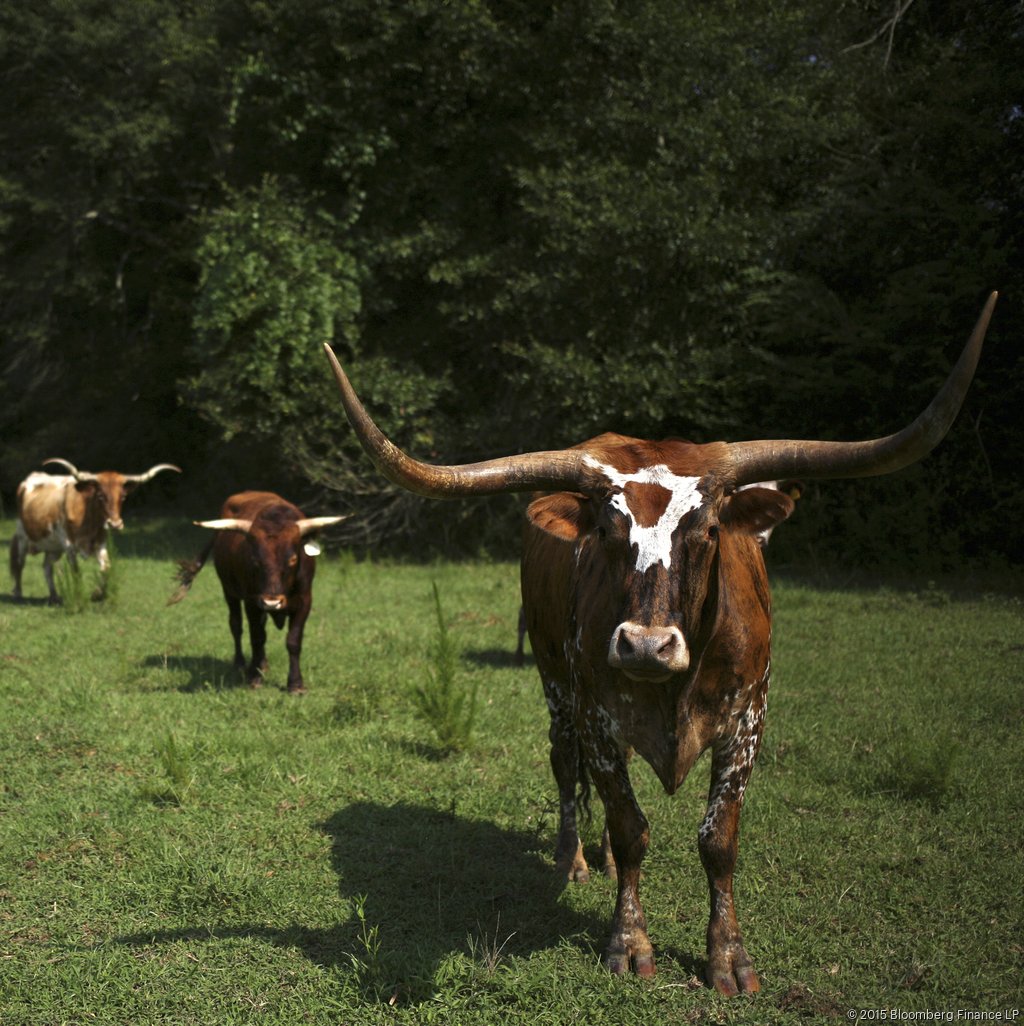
445, 702
486, 949
368, 964
71, 587
178, 778
72, 583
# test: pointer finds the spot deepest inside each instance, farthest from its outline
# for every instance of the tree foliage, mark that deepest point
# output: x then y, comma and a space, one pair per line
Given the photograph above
272, 284
520, 224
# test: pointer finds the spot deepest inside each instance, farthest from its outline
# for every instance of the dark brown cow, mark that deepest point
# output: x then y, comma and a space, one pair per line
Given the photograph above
264, 552
648, 608
70, 513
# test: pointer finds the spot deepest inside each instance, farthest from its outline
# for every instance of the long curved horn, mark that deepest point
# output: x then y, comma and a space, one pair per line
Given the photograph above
151, 473
78, 475
315, 523
536, 471
766, 460
227, 524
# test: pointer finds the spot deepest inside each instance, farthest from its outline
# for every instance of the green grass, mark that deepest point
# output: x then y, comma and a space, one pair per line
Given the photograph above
177, 848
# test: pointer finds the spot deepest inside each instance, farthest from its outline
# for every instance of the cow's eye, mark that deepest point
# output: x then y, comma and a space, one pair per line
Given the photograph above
612, 526
293, 559
712, 532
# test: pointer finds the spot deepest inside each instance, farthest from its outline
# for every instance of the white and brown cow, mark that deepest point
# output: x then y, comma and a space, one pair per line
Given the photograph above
70, 513
649, 614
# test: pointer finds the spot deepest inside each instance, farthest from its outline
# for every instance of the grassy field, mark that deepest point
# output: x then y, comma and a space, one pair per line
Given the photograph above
176, 848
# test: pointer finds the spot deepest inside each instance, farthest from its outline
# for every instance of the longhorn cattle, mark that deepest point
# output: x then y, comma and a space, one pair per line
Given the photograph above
264, 551
648, 609
70, 513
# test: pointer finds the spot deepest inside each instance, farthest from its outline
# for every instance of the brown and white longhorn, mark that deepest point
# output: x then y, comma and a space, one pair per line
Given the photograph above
649, 614
70, 513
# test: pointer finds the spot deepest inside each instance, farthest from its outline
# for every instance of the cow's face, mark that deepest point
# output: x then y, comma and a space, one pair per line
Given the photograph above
105, 492
647, 560
276, 561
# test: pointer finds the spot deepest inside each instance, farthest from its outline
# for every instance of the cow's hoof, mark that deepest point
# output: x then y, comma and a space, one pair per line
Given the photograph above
644, 966
617, 962
639, 959
255, 682
729, 983
572, 865
296, 689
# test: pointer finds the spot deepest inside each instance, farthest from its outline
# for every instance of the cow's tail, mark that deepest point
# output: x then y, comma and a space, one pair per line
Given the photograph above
187, 570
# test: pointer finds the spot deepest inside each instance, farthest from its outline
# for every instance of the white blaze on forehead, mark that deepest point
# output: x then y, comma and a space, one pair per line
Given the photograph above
654, 543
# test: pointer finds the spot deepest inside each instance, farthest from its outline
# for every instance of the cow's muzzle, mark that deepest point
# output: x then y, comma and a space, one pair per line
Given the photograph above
648, 653
115, 523
273, 603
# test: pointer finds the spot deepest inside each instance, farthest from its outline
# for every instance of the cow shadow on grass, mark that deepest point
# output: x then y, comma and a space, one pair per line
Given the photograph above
497, 658
7, 599
200, 673
437, 883
425, 886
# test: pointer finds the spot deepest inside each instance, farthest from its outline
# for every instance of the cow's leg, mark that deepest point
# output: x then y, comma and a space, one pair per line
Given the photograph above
48, 561
103, 558
258, 639
18, 554
235, 623
520, 637
293, 642
628, 834
565, 764
729, 970
607, 856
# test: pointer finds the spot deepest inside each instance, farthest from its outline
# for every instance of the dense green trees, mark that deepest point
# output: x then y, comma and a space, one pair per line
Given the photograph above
521, 224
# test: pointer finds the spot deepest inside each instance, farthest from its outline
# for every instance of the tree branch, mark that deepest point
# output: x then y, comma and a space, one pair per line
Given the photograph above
888, 28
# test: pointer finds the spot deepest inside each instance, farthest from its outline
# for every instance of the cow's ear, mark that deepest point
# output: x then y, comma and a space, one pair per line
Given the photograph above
794, 489
311, 547
85, 487
756, 509
565, 515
